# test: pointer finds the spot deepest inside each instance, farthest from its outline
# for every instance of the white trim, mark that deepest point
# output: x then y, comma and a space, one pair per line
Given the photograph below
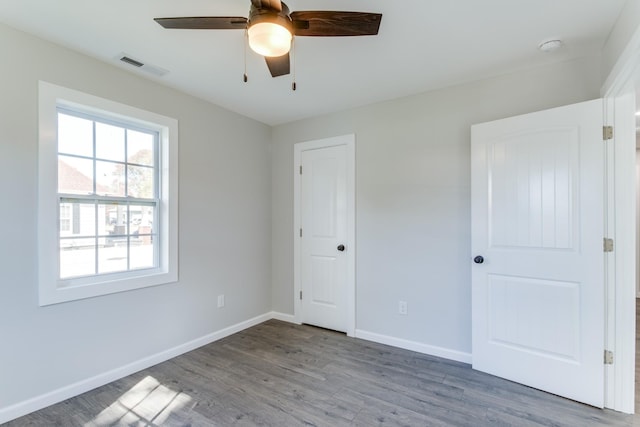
289, 318
619, 92
52, 290
350, 142
431, 350
621, 282
23, 408
637, 190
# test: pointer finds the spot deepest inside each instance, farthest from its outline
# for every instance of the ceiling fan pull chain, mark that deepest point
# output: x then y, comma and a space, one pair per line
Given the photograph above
246, 40
293, 50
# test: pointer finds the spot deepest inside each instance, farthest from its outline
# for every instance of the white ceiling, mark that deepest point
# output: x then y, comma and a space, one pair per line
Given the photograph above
422, 45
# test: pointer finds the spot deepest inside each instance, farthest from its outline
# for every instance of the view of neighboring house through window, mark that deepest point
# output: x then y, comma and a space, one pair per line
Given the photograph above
65, 217
108, 195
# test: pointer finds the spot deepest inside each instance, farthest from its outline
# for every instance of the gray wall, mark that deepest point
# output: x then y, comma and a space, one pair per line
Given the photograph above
412, 202
224, 228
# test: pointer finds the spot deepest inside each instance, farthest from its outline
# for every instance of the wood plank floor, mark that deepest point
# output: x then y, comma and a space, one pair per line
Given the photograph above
279, 374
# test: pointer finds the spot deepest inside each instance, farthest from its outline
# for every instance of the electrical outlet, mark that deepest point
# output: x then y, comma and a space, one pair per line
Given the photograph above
220, 301
402, 307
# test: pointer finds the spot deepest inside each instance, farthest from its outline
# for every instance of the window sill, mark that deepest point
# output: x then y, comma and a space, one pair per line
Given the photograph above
74, 289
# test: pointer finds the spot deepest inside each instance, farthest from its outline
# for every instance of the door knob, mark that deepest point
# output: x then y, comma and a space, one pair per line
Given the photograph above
479, 259
341, 248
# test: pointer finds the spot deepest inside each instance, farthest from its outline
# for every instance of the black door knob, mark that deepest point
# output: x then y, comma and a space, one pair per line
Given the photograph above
479, 259
341, 248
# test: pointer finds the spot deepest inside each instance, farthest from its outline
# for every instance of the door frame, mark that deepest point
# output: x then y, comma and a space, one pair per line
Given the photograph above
349, 141
620, 223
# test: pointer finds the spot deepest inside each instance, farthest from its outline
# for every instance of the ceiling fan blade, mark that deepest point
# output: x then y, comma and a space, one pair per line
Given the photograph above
278, 65
335, 23
268, 4
205, 22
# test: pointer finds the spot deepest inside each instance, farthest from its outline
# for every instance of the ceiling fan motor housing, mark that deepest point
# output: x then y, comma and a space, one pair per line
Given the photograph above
258, 15
270, 30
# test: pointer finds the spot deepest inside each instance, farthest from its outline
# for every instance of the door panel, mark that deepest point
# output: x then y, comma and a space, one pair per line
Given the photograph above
532, 189
324, 227
516, 320
324, 283
537, 219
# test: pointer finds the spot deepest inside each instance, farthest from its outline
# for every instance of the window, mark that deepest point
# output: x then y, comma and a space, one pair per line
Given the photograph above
108, 172
108, 196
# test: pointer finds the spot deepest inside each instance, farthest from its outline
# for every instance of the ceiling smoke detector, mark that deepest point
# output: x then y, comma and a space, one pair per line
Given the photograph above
550, 45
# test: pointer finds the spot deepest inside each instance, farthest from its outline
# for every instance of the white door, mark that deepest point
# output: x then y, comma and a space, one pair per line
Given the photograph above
537, 223
323, 220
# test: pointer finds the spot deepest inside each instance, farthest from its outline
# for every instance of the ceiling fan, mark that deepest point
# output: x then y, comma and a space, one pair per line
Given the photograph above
271, 27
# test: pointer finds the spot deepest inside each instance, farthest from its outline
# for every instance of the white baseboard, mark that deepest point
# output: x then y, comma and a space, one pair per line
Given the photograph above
431, 350
23, 408
284, 317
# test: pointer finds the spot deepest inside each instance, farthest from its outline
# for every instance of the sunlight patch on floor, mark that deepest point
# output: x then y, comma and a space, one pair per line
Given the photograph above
148, 402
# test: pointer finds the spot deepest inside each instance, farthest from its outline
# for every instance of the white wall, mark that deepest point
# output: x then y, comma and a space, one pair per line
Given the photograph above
413, 191
224, 228
625, 28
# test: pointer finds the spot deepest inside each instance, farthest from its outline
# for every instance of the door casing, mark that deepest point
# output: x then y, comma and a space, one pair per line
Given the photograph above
619, 91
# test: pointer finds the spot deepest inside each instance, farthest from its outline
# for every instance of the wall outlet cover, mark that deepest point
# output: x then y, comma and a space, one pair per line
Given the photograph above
402, 307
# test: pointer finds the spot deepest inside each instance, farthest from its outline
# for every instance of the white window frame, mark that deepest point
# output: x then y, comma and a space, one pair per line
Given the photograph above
53, 290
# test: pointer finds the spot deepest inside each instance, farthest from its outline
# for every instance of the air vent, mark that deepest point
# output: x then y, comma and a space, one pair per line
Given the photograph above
151, 69
131, 61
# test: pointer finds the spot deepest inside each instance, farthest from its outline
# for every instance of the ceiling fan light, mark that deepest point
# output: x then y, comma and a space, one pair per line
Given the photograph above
269, 39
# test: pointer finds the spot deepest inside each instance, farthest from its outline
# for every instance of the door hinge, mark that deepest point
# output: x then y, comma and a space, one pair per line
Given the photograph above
607, 132
300, 294
300, 169
608, 357
301, 232
607, 245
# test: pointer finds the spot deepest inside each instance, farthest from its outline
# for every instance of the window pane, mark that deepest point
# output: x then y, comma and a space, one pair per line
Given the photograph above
82, 219
112, 218
109, 142
140, 148
142, 252
77, 257
109, 179
75, 175
112, 258
75, 135
141, 182
65, 219
141, 219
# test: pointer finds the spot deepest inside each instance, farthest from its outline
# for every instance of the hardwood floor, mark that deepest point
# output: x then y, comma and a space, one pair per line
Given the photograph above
278, 374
